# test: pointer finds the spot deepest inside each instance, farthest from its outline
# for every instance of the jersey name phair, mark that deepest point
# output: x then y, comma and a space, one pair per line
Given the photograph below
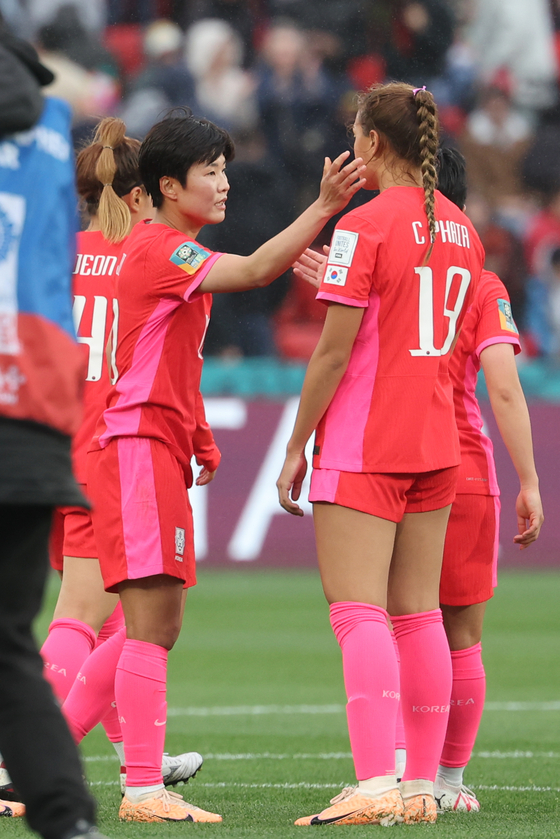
450, 231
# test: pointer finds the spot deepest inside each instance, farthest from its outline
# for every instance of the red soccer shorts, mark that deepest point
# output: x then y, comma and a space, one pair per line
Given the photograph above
71, 534
141, 512
470, 556
387, 495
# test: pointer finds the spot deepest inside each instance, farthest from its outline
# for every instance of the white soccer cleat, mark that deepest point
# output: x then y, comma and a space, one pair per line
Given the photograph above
458, 799
175, 769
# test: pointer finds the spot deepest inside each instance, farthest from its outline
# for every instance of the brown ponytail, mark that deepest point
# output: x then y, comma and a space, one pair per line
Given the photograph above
106, 170
406, 118
428, 125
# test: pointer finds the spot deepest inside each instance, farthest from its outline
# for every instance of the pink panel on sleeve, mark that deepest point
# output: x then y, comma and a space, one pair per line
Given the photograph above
190, 293
499, 339
339, 298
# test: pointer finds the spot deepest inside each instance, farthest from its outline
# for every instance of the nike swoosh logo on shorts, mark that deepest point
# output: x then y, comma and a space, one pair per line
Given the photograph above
157, 722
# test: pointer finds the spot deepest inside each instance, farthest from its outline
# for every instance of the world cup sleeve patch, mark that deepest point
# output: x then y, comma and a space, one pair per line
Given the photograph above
343, 246
335, 275
506, 317
189, 257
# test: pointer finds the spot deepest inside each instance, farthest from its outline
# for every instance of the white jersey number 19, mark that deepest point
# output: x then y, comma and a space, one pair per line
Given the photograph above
426, 308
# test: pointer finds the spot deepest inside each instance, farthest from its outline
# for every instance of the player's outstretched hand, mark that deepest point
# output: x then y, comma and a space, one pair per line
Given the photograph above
340, 182
310, 266
205, 477
529, 517
290, 481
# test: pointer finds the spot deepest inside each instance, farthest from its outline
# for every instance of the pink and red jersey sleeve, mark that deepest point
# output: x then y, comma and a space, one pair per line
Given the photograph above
349, 272
163, 322
489, 321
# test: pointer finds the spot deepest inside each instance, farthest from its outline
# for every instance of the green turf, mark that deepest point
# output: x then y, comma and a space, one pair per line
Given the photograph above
263, 639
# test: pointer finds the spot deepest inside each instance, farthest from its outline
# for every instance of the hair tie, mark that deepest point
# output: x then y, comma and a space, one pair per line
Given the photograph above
414, 92
107, 184
112, 149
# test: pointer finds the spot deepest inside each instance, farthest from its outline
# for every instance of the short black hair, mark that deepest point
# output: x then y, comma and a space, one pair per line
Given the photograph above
452, 175
175, 144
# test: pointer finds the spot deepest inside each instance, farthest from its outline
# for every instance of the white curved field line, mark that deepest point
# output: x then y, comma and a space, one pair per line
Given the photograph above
273, 710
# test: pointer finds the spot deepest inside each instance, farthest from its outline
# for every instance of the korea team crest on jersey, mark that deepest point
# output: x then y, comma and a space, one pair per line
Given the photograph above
189, 257
343, 246
336, 275
506, 317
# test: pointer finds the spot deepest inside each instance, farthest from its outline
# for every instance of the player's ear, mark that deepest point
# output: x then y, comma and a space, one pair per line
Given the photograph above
168, 187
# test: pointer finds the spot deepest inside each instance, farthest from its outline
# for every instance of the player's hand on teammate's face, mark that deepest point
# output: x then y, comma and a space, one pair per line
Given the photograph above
290, 481
310, 266
529, 517
205, 477
340, 182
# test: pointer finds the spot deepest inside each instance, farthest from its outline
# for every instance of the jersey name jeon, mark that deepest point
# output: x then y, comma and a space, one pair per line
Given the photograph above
162, 324
393, 410
488, 321
95, 315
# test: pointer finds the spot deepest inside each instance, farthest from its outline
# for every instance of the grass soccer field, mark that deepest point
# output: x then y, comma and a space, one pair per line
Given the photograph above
255, 685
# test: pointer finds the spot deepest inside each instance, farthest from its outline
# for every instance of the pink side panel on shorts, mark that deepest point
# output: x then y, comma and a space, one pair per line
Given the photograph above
140, 519
497, 510
349, 410
475, 419
324, 484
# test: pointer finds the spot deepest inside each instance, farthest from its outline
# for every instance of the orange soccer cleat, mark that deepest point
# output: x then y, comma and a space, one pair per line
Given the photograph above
164, 806
11, 809
354, 807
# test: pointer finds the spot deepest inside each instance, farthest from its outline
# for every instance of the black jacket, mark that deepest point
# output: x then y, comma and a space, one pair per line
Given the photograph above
21, 77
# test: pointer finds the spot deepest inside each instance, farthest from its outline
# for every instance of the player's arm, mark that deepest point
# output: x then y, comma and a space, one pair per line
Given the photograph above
240, 273
326, 368
206, 452
512, 416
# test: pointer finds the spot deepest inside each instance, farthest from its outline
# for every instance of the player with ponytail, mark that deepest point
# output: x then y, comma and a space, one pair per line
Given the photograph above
399, 277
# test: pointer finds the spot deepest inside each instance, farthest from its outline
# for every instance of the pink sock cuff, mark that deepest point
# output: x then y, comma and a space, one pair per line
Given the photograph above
467, 664
112, 624
77, 626
144, 659
405, 624
347, 614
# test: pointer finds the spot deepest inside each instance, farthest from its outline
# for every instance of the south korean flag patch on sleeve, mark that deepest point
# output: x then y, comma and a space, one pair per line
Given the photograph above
335, 275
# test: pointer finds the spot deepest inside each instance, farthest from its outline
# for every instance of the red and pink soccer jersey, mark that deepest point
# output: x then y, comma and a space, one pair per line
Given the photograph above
97, 263
393, 409
488, 321
162, 324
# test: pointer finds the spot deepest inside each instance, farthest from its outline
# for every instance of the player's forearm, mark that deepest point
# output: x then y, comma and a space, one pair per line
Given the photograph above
512, 417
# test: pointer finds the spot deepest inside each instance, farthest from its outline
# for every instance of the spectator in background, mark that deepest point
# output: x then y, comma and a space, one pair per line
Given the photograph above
298, 103
260, 205
516, 36
224, 91
240, 15
422, 33
495, 139
543, 308
164, 83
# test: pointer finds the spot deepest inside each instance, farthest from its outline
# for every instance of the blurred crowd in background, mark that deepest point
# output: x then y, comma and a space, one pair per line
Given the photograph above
282, 77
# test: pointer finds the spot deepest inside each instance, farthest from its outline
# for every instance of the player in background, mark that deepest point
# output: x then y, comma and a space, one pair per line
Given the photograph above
489, 338
109, 184
378, 394
139, 460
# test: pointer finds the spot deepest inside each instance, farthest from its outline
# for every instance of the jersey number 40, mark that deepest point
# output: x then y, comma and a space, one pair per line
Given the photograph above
426, 308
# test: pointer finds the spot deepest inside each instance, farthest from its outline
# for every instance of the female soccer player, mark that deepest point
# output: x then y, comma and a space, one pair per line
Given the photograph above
488, 337
377, 392
108, 181
139, 459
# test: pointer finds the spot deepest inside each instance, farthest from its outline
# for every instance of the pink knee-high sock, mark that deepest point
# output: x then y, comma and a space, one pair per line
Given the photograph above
371, 678
400, 739
66, 647
425, 690
110, 721
467, 704
140, 690
113, 623
94, 688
